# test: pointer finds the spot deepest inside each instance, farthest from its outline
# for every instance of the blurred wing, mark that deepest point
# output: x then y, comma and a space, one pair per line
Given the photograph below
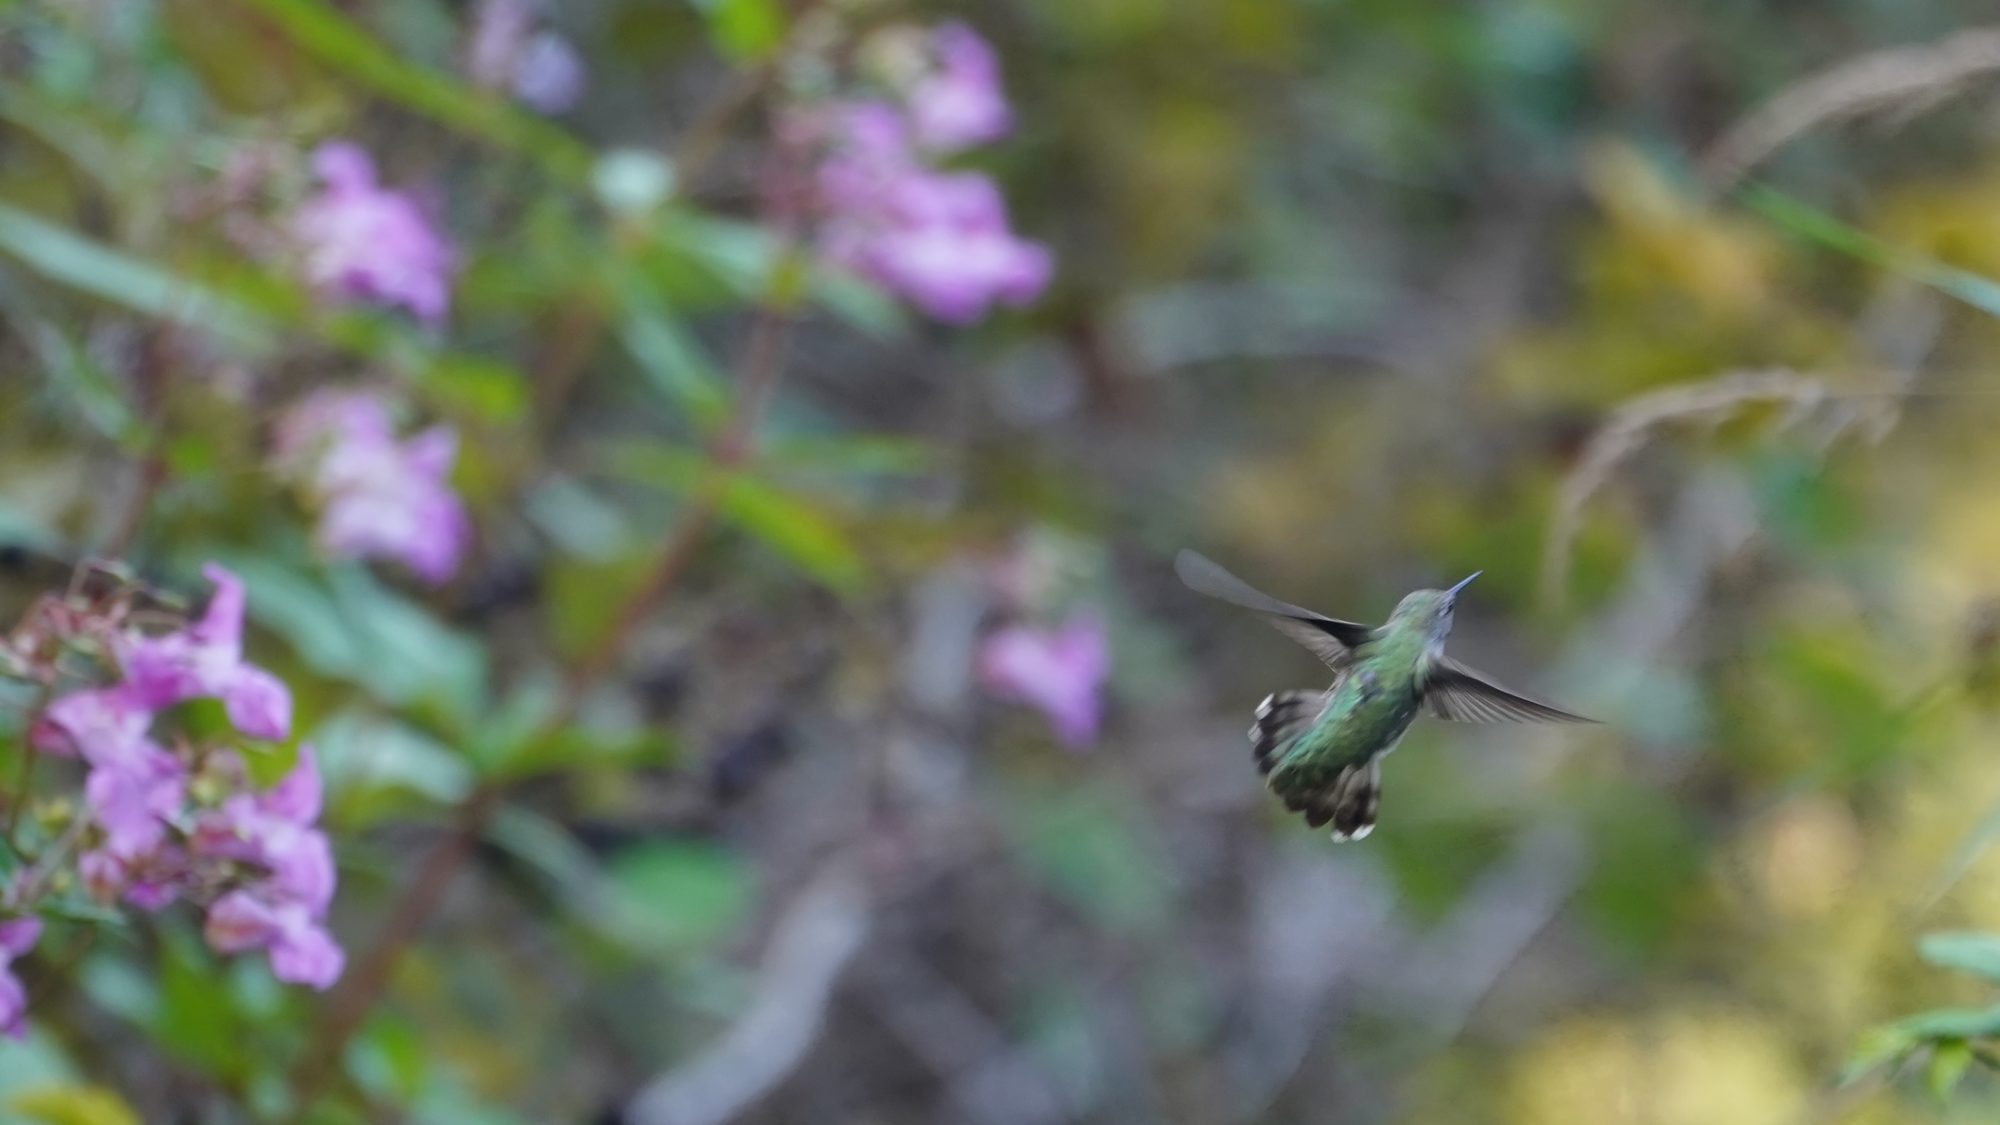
1453, 691
1328, 638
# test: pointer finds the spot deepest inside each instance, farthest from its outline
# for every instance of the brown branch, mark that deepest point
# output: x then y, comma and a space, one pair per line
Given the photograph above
699, 142
153, 370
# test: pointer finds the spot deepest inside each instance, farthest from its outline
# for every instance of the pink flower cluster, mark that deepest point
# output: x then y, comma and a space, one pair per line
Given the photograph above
506, 51
158, 832
939, 238
378, 496
364, 242
1059, 672
17, 937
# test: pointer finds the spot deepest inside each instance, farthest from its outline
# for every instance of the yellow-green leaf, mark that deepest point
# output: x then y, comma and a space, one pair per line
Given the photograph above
72, 1105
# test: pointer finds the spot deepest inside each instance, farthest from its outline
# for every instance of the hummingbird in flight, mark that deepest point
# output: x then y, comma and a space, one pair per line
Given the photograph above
1321, 751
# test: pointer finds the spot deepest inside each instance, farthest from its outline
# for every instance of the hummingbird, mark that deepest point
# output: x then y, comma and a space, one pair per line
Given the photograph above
1321, 751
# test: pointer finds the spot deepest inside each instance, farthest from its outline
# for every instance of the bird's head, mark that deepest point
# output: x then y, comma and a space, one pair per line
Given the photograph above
1431, 610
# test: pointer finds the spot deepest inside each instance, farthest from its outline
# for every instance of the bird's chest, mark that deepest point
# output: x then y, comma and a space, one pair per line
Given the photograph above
1370, 711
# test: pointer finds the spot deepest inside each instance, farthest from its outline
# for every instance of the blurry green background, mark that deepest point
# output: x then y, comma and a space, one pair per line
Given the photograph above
1353, 296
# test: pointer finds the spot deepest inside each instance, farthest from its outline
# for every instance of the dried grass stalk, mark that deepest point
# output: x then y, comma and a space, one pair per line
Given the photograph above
1906, 80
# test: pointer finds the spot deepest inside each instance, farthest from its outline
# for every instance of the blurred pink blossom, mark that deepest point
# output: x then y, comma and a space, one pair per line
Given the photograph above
957, 102
1059, 672
101, 724
944, 242
378, 497
499, 28
17, 937
940, 239
505, 51
368, 243
133, 797
275, 830
161, 823
549, 74
301, 950
283, 912
205, 660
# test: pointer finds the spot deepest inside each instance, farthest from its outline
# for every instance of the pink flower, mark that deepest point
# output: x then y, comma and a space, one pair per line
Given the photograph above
274, 830
282, 912
17, 937
368, 243
133, 799
150, 881
101, 724
948, 248
205, 660
238, 922
548, 75
379, 497
301, 950
940, 239
958, 101
499, 28
1060, 672
104, 875
504, 50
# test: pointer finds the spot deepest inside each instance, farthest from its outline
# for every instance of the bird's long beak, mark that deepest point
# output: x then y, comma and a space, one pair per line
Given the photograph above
1463, 583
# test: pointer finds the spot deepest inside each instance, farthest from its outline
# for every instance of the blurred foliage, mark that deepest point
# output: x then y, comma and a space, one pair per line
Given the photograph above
1345, 291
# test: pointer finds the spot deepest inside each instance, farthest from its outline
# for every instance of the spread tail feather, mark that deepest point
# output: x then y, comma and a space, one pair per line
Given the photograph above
1283, 716
1357, 798
1349, 802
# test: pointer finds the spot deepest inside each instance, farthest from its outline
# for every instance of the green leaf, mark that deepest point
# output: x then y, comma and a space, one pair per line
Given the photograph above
1880, 1046
115, 985
672, 360
584, 596
86, 385
21, 529
580, 747
861, 455
356, 629
378, 767
412, 655
795, 530
747, 259
1976, 953
72, 1105
66, 257
1952, 1023
294, 606
1092, 849
745, 29
193, 1022
482, 388
78, 908
330, 36
579, 520
1814, 225
787, 524
1982, 837
1949, 1060
673, 897
390, 1058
